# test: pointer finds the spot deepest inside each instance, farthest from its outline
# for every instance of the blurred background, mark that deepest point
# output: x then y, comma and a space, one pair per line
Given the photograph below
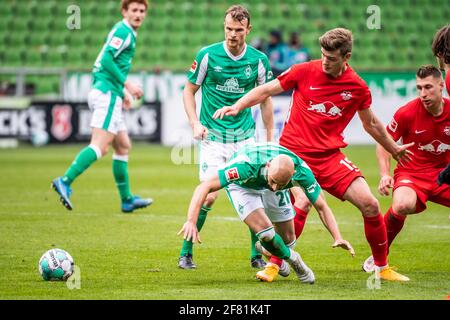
44, 62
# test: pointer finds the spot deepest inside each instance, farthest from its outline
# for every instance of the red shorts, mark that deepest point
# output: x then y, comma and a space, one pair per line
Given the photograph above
332, 170
425, 186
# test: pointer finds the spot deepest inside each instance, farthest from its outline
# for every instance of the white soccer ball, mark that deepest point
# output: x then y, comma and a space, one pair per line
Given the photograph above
56, 265
39, 138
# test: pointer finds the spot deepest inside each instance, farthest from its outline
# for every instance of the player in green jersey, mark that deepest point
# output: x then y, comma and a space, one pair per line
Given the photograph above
225, 71
257, 180
110, 94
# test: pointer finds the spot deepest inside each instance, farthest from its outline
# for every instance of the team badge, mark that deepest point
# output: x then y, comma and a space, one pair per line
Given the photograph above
447, 130
248, 71
193, 66
61, 122
346, 95
232, 174
393, 125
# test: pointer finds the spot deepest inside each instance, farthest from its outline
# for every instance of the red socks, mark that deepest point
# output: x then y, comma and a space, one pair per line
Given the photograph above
300, 218
375, 231
394, 223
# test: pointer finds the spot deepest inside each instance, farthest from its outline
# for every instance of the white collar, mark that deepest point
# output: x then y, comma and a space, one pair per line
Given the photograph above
125, 21
233, 57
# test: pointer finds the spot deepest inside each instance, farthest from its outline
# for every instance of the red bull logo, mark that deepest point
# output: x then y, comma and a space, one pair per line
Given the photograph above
327, 108
436, 147
61, 121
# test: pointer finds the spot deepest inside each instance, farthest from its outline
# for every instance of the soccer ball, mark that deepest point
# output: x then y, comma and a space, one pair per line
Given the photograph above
39, 138
56, 265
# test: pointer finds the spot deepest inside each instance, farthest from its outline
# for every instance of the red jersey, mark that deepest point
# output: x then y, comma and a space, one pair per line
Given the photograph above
321, 106
431, 135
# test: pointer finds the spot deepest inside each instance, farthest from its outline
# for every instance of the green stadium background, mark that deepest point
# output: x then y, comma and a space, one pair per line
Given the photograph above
34, 33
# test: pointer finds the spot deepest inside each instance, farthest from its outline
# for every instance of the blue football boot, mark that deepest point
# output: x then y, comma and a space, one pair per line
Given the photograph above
64, 192
135, 202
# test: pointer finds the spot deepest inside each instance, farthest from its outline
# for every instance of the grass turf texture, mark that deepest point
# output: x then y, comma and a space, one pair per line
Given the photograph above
134, 256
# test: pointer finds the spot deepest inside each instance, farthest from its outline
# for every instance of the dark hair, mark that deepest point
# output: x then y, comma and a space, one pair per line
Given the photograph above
238, 13
441, 44
338, 38
126, 3
428, 70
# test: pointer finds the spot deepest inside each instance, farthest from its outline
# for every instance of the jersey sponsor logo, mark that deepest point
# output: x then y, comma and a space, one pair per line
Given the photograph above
61, 121
447, 131
346, 95
231, 85
248, 71
218, 69
436, 147
327, 108
232, 174
312, 188
115, 42
393, 125
419, 131
193, 66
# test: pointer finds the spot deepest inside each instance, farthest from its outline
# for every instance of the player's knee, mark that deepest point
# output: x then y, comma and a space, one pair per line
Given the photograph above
266, 235
403, 207
305, 206
370, 207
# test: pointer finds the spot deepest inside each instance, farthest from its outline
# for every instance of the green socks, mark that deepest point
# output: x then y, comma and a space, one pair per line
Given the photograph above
275, 245
254, 239
120, 171
82, 161
187, 247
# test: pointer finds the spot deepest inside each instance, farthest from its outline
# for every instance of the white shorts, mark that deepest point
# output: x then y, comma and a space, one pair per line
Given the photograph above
213, 155
106, 111
277, 205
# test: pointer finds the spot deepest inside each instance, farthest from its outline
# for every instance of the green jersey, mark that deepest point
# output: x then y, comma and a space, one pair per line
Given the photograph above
224, 79
247, 168
114, 61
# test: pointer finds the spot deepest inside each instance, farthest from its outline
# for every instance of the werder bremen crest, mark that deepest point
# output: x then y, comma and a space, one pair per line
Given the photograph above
248, 71
231, 85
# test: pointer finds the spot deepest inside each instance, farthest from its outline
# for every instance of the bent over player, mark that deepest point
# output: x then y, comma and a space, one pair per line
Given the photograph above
257, 179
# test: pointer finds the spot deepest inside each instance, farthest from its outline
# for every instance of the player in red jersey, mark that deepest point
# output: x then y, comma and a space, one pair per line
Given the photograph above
426, 122
327, 94
441, 49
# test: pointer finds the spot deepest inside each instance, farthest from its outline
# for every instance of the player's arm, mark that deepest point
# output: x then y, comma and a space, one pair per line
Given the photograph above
252, 98
329, 221
189, 229
189, 91
376, 129
384, 165
267, 118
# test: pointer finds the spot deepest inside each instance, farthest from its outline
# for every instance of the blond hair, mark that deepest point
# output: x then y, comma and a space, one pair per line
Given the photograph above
338, 38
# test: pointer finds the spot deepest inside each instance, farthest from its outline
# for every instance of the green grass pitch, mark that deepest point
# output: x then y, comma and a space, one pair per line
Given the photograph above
134, 256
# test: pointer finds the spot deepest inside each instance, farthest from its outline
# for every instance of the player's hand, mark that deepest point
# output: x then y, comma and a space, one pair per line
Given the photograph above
134, 89
127, 100
402, 154
225, 111
200, 132
344, 244
386, 183
190, 232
